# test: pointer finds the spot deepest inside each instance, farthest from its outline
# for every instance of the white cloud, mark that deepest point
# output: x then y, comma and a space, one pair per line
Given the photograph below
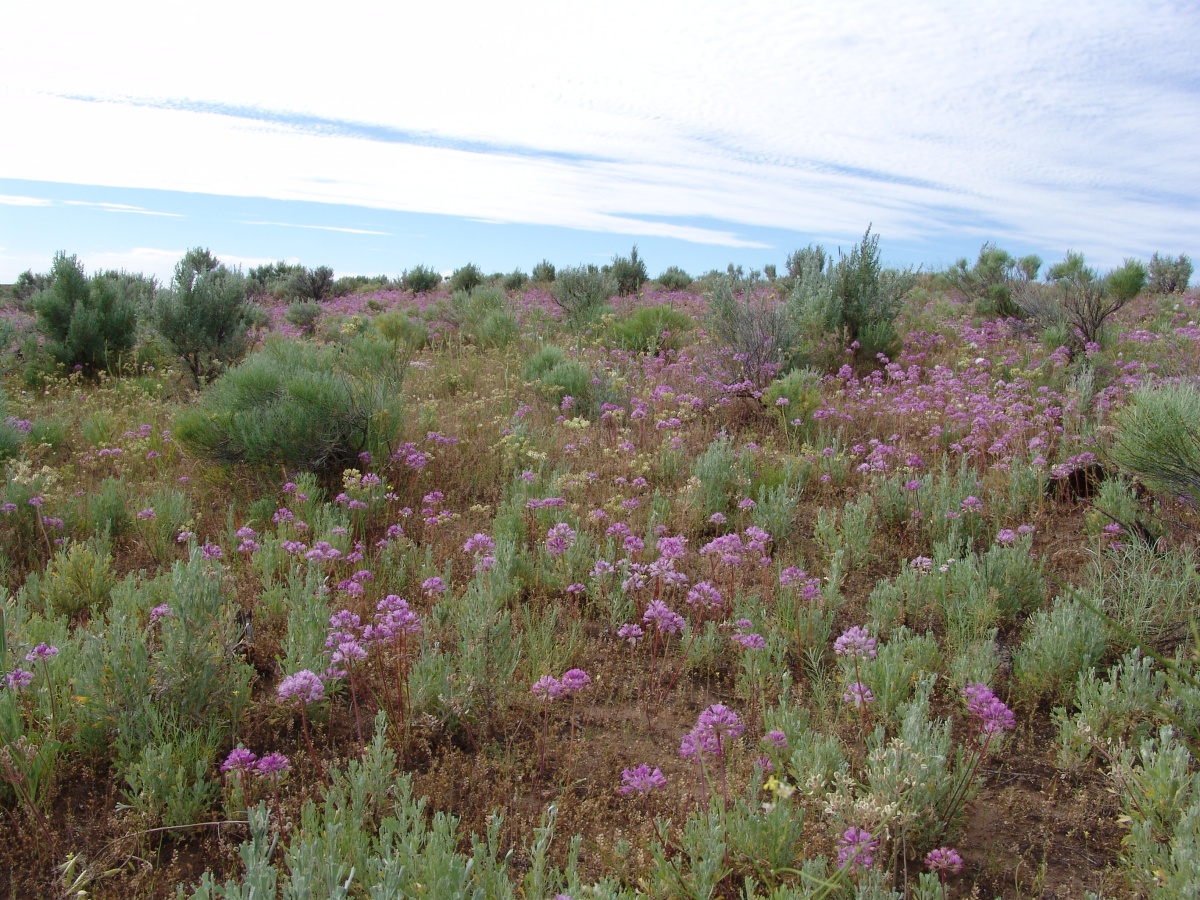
10, 200
1043, 125
321, 228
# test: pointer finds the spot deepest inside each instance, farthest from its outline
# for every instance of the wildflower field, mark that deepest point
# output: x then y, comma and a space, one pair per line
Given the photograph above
847, 582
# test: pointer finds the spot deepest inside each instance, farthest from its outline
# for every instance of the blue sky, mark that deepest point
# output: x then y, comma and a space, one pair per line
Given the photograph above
374, 137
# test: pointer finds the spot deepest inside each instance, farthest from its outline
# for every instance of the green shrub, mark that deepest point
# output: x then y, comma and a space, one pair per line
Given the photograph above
87, 323
541, 362
11, 436
107, 511
1127, 282
628, 273
543, 272
674, 278
1158, 438
79, 579
312, 284
801, 391
420, 279
1170, 276
989, 283
515, 280
298, 406
203, 317
651, 329
466, 278
404, 332
1058, 645
304, 315
759, 333
581, 293
569, 378
869, 298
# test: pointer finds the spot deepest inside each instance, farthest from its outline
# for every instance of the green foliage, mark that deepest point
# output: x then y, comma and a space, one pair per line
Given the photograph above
715, 474
543, 272
466, 278
1149, 594
203, 317
1058, 645
79, 580
304, 315
581, 293
87, 322
312, 284
673, 278
1160, 796
801, 391
570, 378
650, 329
11, 437
1122, 707
299, 406
1170, 276
869, 298
484, 316
28, 284
759, 333
515, 280
107, 509
1158, 438
405, 333
1127, 282
990, 281
546, 358
420, 279
628, 273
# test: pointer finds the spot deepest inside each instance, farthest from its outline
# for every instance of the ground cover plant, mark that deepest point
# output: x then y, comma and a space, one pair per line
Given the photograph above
845, 583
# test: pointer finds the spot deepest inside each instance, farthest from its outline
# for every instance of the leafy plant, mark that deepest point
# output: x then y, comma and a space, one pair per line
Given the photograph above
581, 292
88, 323
312, 284
628, 273
990, 281
759, 333
650, 329
297, 405
466, 278
1170, 276
420, 279
1158, 438
203, 317
543, 272
674, 278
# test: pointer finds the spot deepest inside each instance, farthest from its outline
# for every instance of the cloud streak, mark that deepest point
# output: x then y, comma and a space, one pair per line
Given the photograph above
1046, 127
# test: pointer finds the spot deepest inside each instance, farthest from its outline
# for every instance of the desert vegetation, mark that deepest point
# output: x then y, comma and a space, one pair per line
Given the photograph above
848, 582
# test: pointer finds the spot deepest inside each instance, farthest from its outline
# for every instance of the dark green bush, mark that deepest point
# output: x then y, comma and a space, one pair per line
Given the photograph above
515, 280
1127, 282
869, 298
581, 293
569, 378
312, 284
650, 329
989, 283
1169, 276
88, 324
420, 279
299, 406
406, 334
269, 278
28, 284
674, 278
204, 316
466, 278
543, 272
628, 273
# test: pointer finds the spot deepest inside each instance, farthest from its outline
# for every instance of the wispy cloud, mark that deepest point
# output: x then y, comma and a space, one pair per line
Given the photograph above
122, 208
10, 200
1042, 129
322, 228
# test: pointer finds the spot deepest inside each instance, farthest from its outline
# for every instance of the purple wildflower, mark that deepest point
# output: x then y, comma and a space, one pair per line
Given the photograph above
574, 680
663, 617
305, 686
272, 764
42, 651
777, 739
162, 611
239, 760
18, 679
858, 694
856, 849
630, 632
856, 641
559, 539
944, 859
547, 688
641, 779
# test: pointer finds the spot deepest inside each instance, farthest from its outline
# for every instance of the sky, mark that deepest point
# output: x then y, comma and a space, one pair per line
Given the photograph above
376, 136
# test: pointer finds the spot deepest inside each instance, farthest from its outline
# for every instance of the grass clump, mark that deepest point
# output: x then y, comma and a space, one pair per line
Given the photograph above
651, 329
